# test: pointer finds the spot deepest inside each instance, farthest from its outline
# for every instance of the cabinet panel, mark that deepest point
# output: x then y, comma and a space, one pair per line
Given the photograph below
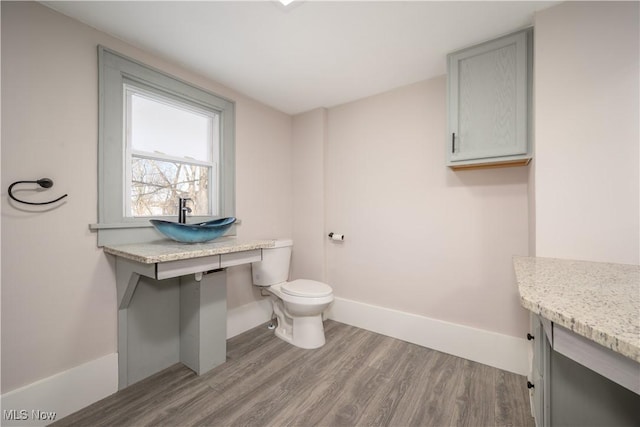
614, 366
569, 390
237, 258
489, 87
538, 400
540, 373
582, 397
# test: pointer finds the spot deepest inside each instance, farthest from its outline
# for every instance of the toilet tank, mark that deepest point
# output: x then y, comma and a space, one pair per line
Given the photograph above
274, 267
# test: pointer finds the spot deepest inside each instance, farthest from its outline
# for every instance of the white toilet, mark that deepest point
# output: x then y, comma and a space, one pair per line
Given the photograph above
298, 304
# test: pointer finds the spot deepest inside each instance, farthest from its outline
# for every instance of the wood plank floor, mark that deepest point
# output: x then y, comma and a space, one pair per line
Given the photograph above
359, 378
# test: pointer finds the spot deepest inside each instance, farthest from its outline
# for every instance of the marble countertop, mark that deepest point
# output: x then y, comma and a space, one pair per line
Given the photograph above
168, 250
599, 301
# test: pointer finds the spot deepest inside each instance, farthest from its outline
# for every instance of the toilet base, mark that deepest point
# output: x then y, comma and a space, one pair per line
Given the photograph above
302, 331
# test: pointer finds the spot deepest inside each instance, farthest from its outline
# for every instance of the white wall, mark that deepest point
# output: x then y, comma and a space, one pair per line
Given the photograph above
419, 237
309, 144
58, 288
587, 132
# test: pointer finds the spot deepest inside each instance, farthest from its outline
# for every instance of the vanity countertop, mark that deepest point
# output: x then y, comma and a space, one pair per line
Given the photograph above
599, 301
168, 250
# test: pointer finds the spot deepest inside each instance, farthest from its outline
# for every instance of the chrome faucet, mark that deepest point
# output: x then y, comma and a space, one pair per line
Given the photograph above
183, 209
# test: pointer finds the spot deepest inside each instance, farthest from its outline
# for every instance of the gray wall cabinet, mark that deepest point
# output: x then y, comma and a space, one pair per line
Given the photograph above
489, 103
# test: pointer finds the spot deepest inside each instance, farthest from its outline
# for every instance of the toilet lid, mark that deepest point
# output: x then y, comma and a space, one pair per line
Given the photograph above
306, 288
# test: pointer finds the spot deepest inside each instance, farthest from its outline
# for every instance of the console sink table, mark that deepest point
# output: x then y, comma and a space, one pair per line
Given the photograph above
172, 303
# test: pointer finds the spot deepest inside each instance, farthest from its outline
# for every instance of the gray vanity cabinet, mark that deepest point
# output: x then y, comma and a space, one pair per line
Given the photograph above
489, 93
565, 392
538, 381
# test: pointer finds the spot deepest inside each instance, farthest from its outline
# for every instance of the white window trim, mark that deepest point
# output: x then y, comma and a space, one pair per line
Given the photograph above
114, 70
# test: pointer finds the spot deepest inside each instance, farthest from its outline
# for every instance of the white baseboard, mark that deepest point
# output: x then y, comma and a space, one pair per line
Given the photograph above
61, 394
248, 316
486, 347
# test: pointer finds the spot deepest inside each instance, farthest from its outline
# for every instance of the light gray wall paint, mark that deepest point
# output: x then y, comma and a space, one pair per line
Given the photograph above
587, 167
309, 233
421, 238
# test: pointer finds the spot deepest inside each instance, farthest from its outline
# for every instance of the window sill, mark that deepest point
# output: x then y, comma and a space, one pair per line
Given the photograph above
95, 227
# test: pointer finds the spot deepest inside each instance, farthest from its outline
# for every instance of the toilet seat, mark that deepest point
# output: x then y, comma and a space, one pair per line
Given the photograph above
306, 288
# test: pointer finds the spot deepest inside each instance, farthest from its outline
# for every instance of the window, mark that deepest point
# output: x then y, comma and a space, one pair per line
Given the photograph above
160, 139
171, 152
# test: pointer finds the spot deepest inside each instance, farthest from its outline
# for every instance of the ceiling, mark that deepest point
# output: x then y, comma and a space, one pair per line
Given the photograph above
311, 53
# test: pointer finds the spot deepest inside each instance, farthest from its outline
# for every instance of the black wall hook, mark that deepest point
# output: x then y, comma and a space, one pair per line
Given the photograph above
42, 182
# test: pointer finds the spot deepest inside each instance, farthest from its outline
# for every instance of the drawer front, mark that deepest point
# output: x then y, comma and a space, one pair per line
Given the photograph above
166, 270
237, 258
614, 366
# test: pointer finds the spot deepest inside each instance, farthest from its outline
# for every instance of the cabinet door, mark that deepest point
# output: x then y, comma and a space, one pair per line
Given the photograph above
536, 394
488, 100
539, 394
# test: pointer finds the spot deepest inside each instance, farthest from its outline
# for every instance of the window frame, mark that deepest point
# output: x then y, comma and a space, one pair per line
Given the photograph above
130, 153
114, 71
